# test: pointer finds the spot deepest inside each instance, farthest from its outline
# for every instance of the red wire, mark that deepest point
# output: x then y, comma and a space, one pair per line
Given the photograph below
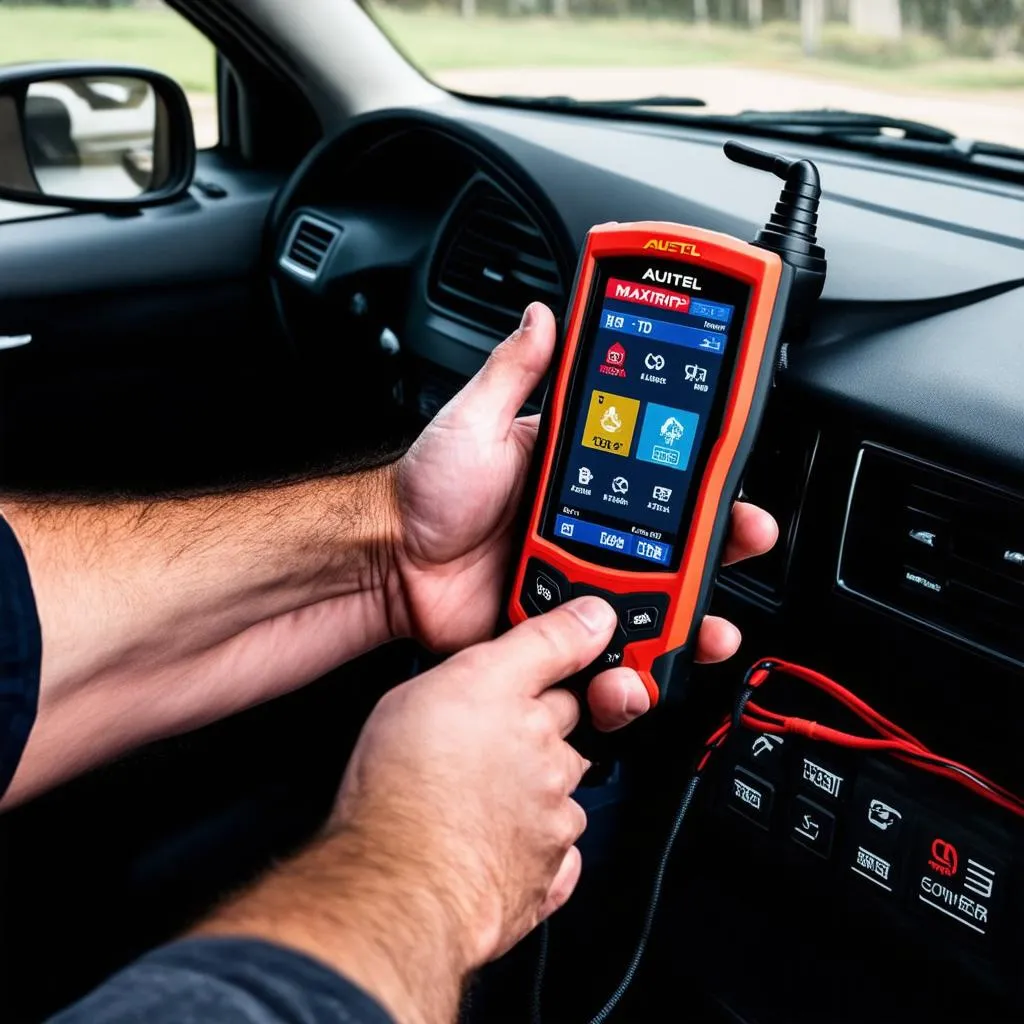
892, 739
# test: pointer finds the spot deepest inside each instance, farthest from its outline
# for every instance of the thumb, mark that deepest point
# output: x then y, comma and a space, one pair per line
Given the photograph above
544, 650
515, 367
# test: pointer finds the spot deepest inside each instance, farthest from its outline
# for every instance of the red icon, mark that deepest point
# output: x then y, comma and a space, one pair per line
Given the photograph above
944, 860
614, 361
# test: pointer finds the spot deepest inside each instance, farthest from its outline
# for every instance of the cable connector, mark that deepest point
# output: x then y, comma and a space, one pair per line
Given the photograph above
791, 230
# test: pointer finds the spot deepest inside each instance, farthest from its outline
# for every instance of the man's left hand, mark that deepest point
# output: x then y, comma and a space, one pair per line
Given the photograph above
458, 490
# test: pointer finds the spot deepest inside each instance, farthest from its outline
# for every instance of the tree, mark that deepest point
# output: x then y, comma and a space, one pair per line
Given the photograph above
876, 18
700, 11
812, 14
755, 13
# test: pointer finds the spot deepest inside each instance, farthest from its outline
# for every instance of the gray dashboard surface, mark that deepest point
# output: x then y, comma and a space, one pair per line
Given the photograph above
922, 319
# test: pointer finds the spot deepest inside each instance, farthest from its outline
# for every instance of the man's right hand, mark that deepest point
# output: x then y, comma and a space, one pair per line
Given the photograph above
464, 777
454, 830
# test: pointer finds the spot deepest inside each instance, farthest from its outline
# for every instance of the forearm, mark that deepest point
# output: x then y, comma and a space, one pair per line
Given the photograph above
161, 616
345, 904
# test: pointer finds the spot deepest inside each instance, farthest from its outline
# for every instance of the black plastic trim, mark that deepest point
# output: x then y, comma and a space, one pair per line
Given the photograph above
16, 79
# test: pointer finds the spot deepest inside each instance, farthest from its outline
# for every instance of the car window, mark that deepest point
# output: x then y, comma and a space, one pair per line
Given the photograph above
955, 64
143, 32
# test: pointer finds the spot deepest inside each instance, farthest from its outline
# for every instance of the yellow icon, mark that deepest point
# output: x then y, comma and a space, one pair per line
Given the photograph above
611, 420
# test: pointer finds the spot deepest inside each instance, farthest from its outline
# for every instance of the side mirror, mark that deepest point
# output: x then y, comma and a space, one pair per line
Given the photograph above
93, 137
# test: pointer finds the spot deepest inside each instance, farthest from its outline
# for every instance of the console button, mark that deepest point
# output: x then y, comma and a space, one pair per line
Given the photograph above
884, 817
823, 775
750, 796
763, 747
544, 588
923, 583
878, 826
958, 880
812, 826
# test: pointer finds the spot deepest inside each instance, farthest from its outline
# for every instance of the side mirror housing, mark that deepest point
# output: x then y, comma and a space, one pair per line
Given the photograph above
97, 137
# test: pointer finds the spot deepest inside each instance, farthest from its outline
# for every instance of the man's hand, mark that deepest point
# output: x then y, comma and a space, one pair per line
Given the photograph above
454, 831
458, 489
161, 616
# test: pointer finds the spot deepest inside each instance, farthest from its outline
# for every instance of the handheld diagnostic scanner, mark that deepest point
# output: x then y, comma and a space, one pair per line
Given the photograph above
655, 399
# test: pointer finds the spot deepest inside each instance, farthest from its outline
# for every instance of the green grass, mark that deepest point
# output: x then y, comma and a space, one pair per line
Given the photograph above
438, 40
158, 39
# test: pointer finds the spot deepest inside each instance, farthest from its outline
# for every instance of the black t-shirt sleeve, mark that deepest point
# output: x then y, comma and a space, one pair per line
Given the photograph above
21, 652
226, 981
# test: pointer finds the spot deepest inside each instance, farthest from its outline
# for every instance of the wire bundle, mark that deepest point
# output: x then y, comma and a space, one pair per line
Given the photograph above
888, 737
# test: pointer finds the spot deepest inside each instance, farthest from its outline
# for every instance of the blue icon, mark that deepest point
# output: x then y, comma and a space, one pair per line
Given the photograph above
711, 311
566, 527
653, 551
667, 436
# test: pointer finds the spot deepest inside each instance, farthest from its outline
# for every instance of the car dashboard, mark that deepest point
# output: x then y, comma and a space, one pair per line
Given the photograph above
891, 456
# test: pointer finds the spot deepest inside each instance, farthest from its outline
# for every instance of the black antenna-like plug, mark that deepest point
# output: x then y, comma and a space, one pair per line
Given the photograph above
791, 231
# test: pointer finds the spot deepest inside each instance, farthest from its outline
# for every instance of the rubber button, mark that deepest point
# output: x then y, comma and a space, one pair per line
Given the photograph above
544, 588
812, 826
750, 796
640, 620
611, 656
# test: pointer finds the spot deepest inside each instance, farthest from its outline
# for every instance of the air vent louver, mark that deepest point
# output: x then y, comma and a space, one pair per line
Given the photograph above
308, 246
936, 547
493, 261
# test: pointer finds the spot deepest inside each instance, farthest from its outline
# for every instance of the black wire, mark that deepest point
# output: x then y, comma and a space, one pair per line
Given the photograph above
645, 932
538, 974
652, 905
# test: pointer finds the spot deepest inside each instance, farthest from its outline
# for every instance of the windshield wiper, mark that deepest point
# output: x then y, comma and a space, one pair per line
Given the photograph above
877, 132
572, 103
849, 123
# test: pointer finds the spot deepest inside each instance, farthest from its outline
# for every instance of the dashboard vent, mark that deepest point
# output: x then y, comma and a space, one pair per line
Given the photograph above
776, 479
308, 245
493, 261
936, 547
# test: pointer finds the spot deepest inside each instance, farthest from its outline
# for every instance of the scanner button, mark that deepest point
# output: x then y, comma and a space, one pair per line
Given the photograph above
610, 657
640, 620
544, 588
545, 592
642, 616
619, 638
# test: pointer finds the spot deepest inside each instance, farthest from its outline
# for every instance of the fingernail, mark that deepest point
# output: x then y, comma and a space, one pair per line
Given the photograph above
528, 317
736, 636
637, 701
597, 615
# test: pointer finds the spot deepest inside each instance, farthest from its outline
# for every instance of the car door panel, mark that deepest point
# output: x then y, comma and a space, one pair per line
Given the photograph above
148, 332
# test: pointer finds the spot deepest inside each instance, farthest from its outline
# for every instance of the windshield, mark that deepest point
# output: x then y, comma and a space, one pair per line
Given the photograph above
956, 64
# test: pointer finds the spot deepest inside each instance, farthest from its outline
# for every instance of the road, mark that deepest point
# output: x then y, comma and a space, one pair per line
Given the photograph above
996, 116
